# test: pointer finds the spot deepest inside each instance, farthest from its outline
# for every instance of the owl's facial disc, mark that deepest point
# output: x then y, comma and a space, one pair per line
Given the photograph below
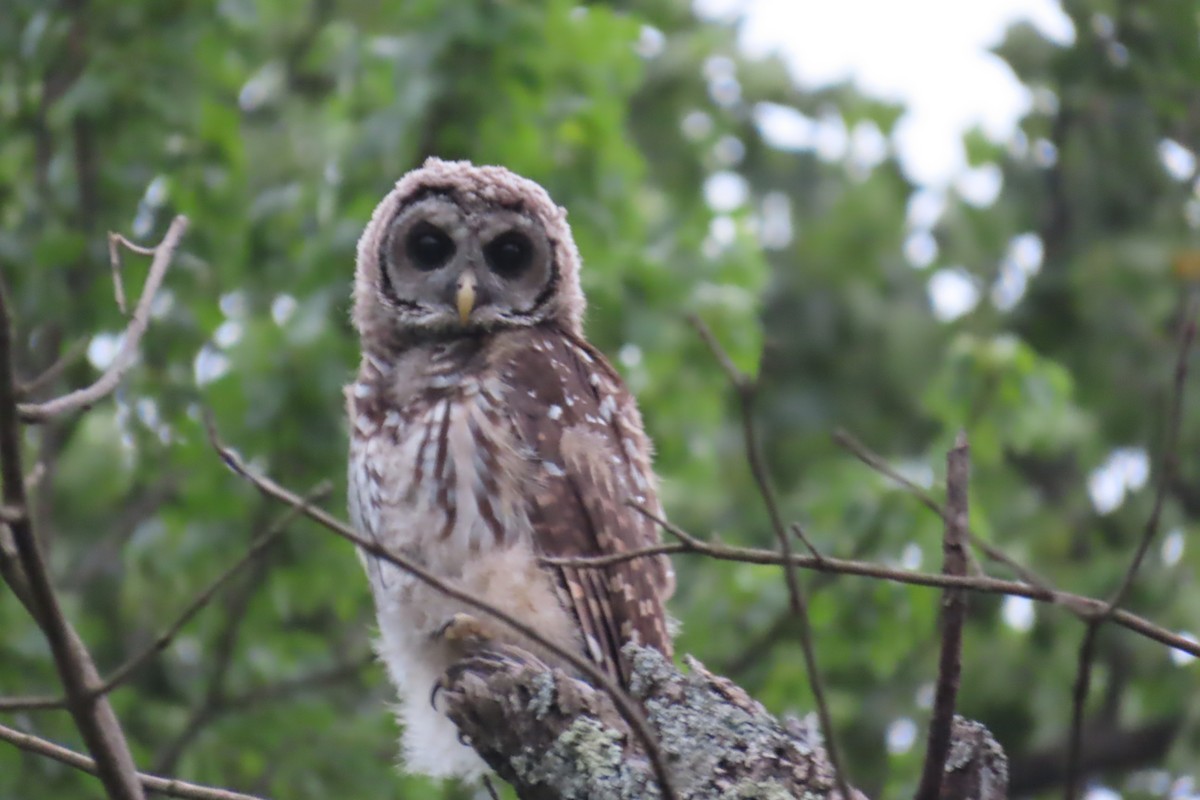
446, 268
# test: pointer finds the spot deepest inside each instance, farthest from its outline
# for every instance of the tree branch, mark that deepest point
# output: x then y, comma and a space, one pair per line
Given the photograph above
954, 612
83, 399
746, 391
94, 718
164, 639
724, 744
1081, 606
877, 463
151, 783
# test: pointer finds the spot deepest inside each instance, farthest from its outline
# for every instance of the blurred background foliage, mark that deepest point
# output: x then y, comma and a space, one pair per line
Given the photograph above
1040, 315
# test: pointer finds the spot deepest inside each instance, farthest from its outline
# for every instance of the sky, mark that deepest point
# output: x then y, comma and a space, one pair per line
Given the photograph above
930, 54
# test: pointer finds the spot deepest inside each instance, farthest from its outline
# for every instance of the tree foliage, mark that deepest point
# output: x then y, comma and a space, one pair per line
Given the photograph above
698, 180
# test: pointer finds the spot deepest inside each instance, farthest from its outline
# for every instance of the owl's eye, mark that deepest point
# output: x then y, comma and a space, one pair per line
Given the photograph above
509, 254
428, 247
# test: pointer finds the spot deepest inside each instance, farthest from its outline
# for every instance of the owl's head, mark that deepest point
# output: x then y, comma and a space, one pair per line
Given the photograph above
457, 249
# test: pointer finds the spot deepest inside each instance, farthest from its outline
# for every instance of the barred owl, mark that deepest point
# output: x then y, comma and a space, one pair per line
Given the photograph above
486, 434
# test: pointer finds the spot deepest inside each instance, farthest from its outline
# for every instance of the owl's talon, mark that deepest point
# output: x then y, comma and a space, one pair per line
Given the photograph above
438, 686
465, 631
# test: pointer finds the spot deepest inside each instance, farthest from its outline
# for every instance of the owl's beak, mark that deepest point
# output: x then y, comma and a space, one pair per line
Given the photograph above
464, 297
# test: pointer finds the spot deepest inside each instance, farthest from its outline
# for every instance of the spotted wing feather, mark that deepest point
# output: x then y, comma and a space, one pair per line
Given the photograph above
572, 410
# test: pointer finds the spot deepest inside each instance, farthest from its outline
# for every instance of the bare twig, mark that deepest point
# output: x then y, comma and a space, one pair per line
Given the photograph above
52, 372
747, 389
877, 463
95, 719
31, 703
625, 705
290, 687
115, 242
954, 611
798, 529
164, 639
1084, 607
261, 543
1165, 478
82, 399
212, 703
151, 783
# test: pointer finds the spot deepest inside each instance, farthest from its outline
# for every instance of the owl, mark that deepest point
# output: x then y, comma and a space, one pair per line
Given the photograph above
487, 434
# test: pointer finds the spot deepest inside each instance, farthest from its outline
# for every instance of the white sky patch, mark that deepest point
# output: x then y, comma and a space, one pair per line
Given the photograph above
233, 304
227, 334
725, 191
1023, 261
901, 736
1179, 162
925, 207
721, 233
103, 348
1099, 792
210, 364
930, 55
282, 308
782, 127
161, 305
729, 151
696, 124
980, 186
630, 355
1125, 470
650, 42
920, 249
952, 293
1172, 547
911, 556
868, 146
1018, 613
775, 225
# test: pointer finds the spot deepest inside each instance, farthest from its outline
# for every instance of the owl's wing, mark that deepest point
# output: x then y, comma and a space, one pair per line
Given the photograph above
573, 411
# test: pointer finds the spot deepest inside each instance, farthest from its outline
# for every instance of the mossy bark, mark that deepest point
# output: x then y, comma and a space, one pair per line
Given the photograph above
554, 736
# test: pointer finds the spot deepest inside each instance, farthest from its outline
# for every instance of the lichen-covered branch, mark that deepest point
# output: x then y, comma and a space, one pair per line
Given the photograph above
553, 736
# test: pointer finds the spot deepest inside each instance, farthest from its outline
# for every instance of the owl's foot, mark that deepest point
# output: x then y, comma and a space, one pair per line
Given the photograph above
465, 632
483, 660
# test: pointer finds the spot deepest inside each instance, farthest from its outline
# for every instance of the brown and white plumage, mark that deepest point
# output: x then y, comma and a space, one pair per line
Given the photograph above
486, 433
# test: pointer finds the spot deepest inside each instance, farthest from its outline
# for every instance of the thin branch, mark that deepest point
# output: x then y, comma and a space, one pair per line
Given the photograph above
151, 783
33, 703
954, 612
877, 463
1165, 477
1081, 606
164, 639
212, 703
290, 687
82, 399
747, 389
52, 372
115, 242
95, 719
803, 537
625, 705
199, 602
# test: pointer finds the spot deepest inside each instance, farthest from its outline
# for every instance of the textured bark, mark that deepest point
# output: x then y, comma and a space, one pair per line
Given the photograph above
553, 736
976, 768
